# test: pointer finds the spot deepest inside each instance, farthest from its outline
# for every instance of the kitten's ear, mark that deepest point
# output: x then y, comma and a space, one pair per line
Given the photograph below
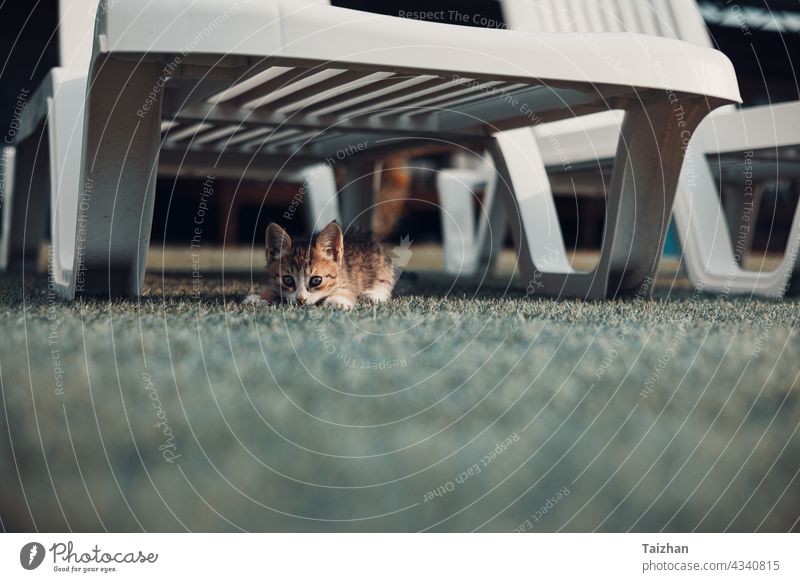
330, 242
278, 242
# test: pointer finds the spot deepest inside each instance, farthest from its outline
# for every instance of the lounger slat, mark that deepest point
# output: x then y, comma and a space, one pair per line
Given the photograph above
253, 120
214, 135
273, 83
244, 136
485, 91
360, 96
168, 124
689, 23
662, 19
628, 17
648, 19
252, 81
579, 15
280, 134
323, 82
500, 93
312, 90
594, 16
377, 103
608, 11
298, 141
446, 95
310, 77
544, 13
187, 132
519, 15
317, 94
276, 140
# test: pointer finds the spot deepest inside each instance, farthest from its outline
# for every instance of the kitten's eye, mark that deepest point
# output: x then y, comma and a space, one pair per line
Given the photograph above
288, 281
315, 282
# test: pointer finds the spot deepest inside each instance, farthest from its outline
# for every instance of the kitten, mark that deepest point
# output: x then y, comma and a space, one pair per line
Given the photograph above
331, 271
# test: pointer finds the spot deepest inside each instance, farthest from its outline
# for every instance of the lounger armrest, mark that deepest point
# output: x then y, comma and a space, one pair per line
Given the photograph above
752, 128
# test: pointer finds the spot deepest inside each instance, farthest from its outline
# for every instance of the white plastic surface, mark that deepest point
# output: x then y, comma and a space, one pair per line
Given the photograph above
349, 45
698, 214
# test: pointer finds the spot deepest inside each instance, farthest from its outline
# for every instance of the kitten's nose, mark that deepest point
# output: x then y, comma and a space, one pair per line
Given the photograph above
301, 300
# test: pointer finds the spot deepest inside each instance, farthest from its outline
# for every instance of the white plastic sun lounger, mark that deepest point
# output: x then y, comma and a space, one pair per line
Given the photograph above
300, 82
709, 253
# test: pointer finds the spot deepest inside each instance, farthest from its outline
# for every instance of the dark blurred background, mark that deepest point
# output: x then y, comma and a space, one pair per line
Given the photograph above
763, 61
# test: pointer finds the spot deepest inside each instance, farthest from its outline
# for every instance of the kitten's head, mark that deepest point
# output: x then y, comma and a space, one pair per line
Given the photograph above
304, 273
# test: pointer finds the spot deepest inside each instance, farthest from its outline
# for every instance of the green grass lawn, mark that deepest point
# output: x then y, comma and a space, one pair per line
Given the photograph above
447, 409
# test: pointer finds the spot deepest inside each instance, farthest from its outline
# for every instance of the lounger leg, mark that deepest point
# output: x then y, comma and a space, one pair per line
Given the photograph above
118, 176
640, 199
456, 189
523, 189
322, 203
65, 130
492, 227
27, 191
708, 251
7, 156
357, 197
741, 213
789, 268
